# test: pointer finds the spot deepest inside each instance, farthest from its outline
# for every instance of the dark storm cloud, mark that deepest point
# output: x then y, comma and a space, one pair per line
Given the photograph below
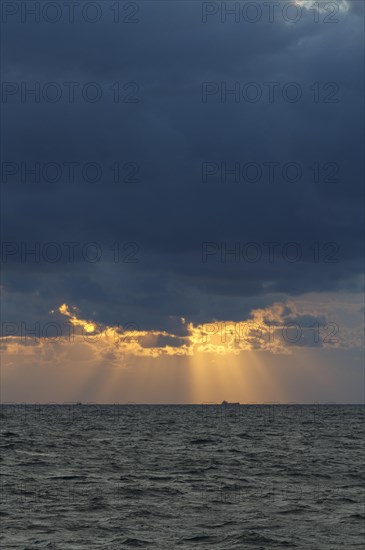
169, 212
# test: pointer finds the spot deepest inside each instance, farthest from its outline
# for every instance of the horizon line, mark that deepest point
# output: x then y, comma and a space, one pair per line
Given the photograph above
205, 403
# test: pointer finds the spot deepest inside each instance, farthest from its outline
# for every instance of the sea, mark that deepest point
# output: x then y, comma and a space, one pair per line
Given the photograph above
78, 476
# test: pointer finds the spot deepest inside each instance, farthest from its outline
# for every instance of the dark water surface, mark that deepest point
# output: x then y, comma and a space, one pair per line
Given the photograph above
166, 477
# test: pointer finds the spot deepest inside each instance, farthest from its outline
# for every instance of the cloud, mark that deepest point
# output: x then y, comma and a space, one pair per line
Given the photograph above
277, 329
148, 230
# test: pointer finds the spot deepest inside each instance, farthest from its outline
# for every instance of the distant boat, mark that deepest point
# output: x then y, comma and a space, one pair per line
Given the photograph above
225, 403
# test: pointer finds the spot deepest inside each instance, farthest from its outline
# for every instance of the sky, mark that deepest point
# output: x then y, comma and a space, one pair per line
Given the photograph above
182, 201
